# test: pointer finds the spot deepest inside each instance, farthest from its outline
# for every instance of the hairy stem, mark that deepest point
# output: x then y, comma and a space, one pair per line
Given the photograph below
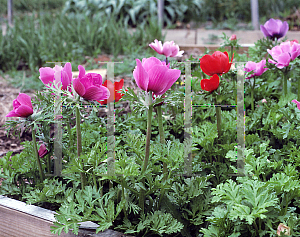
37, 155
147, 151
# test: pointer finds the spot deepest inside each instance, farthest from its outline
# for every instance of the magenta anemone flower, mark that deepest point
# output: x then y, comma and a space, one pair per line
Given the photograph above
43, 151
296, 102
274, 28
22, 106
62, 74
284, 53
89, 86
257, 68
153, 75
169, 48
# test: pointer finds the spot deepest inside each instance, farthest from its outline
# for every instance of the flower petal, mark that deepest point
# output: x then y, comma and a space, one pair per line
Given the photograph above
81, 71
78, 87
96, 93
210, 84
24, 99
46, 75
157, 79
141, 76
24, 111
172, 75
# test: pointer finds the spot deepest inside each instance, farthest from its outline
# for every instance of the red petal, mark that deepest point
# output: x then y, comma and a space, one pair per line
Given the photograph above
210, 84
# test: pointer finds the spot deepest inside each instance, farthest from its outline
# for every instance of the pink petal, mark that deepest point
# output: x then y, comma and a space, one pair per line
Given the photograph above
78, 87
24, 99
81, 71
172, 75
157, 46
167, 50
148, 63
96, 93
141, 76
24, 111
12, 114
157, 79
65, 80
46, 75
284, 59
68, 69
296, 102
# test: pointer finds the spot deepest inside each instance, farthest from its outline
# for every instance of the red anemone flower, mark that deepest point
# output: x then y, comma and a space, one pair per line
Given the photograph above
113, 89
210, 84
217, 63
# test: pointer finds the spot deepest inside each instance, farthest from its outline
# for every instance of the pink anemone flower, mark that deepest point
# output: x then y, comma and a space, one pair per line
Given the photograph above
257, 68
284, 53
169, 48
62, 74
89, 86
153, 75
22, 107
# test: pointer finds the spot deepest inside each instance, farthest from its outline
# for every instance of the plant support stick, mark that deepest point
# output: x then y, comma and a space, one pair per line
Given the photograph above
79, 145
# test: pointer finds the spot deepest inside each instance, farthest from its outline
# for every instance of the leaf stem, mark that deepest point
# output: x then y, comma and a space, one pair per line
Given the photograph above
218, 113
252, 94
285, 82
37, 154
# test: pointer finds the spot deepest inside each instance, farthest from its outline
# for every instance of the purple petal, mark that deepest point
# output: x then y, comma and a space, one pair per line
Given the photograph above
284, 28
141, 76
78, 87
264, 31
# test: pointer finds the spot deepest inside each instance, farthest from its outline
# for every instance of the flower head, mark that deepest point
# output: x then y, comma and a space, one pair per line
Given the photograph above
274, 28
217, 63
62, 74
284, 53
89, 86
283, 228
169, 48
113, 89
233, 37
257, 68
153, 75
43, 151
22, 106
210, 84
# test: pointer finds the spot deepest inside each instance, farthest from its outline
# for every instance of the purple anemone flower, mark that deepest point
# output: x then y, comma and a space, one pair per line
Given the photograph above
274, 28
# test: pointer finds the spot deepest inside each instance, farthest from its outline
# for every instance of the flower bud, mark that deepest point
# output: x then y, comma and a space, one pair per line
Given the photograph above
264, 101
233, 37
283, 228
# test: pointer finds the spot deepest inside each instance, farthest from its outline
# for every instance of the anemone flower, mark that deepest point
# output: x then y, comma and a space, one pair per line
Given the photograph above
274, 28
61, 74
22, 107
284, 53
217, 63
153, 75
89, 86
257, 68
169, 48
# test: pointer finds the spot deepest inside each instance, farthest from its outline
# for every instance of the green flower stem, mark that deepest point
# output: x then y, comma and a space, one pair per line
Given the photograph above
285, 82
79, 146
147, 151
48, 163
219, 122
298, 98
70, 134
231, 52
37, 155
252, 94
123, 196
